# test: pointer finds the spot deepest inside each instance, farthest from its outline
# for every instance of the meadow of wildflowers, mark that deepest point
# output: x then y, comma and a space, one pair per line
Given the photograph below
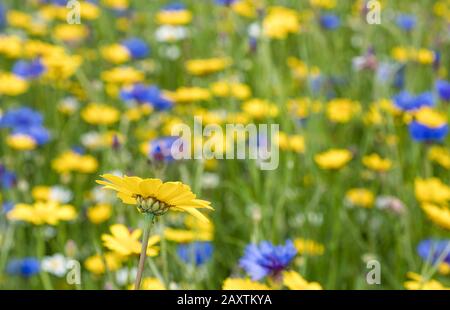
95, 100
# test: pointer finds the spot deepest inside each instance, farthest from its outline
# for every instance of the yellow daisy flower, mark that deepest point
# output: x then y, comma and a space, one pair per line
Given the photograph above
155, 197
41, 213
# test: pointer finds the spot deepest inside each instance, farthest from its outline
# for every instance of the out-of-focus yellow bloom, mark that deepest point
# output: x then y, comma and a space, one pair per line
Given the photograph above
438, 215
441, 155
196, 230
231, 89
12, 85
243, 284
333, 159
123, 76
100, 114
21, 142
96, 263
173, 17
295, 143
18, 19
309, 247
11, 46
207, 66
418, 282
342, 110
244, 8
59, 65
303, 107
444, 269
190, 94
259, 108
125, 243
115, 53
41, 193
405, 54
360, 197
323, 4
41, 213
431, 190
99, 213
280, 22
70, 32
294, 281
430, 117
150, 284
71, 161
376, 163
301, 70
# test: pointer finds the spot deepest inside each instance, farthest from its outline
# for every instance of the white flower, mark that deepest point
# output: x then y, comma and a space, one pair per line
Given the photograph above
56, 264
169, 33
125, 276
60, 194
91, 140
254, 30
210, 180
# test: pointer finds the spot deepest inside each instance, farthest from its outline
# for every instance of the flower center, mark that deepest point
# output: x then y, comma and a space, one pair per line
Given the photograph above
151, 205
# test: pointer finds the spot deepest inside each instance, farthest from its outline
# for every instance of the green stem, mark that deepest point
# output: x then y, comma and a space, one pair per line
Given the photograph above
148, 221
41, 253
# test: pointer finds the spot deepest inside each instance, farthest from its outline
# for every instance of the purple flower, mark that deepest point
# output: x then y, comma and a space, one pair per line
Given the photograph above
443, 89
433, 250
266, 259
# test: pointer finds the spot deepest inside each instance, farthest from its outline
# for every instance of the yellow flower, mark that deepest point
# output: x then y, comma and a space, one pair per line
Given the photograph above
189, 94
59, 65
418, 282
294, 281
376, 163
41, 213
11, 46
323, 4
360, 197
243, 284
441, 155
154, 196
125, 243
173, 17
150, 284
12, 85
71, 161
21, 142
244, 8
280, 22
431, 190
117, 4
96, 263
100, 114
122, 75
444, 269
70, 33
430, 117
18, 19
438, 215
197, 231
41, 193
99, 213
333, 159
401, 54
231, 89
295, 143
258, 108
207, 66
115, 53
424, 56
309, 247
342, 110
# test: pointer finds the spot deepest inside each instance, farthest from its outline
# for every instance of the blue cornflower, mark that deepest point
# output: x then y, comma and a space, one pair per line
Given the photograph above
423, 133
138, 48
2, 16
25, 267
406, 101
161, 148
26, 121
330, 21
266, 259
28, 69
176, 6
443, 89
146, 94
225, 2
21, 118
406, 22
8, 178
431, 250
195, 252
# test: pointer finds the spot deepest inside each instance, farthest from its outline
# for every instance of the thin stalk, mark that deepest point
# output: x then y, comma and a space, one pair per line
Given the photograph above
147, 223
